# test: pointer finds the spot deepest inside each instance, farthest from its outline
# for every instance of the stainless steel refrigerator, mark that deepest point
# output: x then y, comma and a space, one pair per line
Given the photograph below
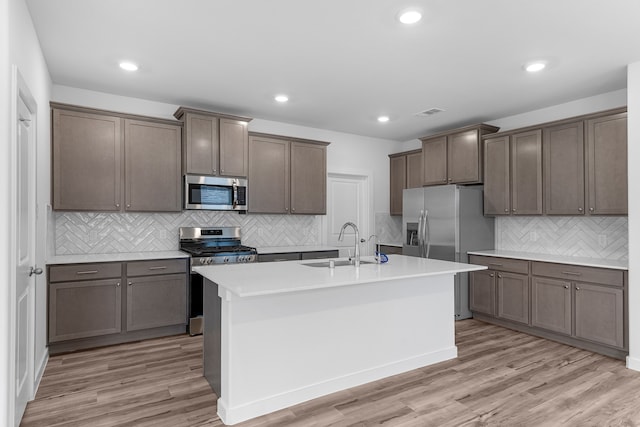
445, 222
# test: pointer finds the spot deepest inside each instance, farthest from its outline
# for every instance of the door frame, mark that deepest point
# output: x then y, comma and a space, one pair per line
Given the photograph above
366, 180
20, 92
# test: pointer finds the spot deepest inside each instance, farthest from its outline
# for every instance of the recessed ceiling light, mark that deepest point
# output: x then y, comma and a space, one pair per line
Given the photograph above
534, 67
409, 16
281, 98
129, 66
383, 119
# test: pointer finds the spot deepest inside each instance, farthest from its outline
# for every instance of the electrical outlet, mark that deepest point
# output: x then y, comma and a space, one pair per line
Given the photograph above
602, 240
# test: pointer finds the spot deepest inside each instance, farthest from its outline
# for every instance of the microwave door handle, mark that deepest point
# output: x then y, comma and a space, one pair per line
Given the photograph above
235, 195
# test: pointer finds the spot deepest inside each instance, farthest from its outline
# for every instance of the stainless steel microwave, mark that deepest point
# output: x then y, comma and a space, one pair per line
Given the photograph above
215, 193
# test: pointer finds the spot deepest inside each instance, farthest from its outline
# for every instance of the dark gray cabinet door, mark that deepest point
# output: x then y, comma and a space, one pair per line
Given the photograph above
269, 175
497, 193
308, 178
84, 309
599, 314
526, 173
463, 157
482, 288
398, 174
152, 167
155, 301
551, 304
87, 159
234, 148
434, 161
513, 296
607, 164
564, 169
414, 170
202, 143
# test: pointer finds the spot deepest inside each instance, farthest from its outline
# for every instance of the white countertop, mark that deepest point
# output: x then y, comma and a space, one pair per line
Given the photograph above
124, 256
287, 249
558, 259
254, 279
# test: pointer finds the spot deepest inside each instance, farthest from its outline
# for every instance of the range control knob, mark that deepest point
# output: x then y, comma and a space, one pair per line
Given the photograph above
241, 259
226, 259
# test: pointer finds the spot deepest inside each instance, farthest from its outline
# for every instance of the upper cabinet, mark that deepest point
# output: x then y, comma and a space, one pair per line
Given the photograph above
513, 174
405, 172
606, 147
214, 144
454, 157
104, 161
584, 168
287, 175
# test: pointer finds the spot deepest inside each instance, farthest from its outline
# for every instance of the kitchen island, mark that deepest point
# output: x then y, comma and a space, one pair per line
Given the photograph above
277, 334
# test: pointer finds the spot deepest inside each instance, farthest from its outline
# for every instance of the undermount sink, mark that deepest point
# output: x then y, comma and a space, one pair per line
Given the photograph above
339, 263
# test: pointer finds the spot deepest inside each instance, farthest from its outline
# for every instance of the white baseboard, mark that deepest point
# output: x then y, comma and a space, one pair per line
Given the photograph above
39, 371
633, 363
270, 404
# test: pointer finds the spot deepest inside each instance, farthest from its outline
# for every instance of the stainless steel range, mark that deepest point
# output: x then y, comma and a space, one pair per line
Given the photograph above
208, 246
215, 245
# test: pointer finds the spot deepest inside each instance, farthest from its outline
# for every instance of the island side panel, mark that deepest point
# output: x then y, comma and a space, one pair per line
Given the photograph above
212, 311
280, 350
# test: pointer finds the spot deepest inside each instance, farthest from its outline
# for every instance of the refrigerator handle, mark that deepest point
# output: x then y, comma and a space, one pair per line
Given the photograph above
420, 241
427, 234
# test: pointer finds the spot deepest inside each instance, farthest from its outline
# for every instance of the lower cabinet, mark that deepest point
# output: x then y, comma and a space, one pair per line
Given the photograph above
578, 305
88, 306
296, 256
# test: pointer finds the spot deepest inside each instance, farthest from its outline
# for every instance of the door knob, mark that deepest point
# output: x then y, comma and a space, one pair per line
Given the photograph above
35, 270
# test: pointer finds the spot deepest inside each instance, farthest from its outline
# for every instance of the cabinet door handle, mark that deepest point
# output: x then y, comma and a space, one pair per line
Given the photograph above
450, 179
513, 210
117, 205
496, 264
87, 272
499, 276
444, 179
491, 275
571, 273
158, 268
579, 209
130, 283
566, 286
506, 209
577, 288
118, 284
591, 209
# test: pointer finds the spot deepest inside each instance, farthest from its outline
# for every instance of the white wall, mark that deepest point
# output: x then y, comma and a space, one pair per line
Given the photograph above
633, 150
5, 203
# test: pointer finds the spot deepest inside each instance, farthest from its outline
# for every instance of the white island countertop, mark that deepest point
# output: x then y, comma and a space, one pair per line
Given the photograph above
255, 279
558, 259
262, 250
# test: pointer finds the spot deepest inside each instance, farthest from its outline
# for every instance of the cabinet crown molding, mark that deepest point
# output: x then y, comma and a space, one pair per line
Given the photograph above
180, 112
482, 127
81, 109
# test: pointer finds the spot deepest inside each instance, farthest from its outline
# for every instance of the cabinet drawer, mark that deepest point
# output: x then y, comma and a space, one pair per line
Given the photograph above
501, 264
289, 256
578, 273
73, 272
320, 254
157, 266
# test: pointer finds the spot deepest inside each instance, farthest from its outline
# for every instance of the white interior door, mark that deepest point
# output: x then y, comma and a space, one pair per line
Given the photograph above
347, 200
24, 214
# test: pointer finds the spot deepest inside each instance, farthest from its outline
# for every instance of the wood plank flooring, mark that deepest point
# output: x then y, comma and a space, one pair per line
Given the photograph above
501, 378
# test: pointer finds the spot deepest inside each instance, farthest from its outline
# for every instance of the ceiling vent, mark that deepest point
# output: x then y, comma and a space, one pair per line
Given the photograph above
430, 112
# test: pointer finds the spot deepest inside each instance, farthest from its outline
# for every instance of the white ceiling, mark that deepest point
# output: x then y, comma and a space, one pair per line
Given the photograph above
344, 62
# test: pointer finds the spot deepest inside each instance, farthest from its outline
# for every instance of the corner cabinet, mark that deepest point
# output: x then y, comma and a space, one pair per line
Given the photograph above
454, 157
215, 144
405, 171
110, 162
287, 175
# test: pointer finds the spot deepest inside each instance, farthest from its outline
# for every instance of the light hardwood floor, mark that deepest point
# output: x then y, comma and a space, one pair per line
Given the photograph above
501, 378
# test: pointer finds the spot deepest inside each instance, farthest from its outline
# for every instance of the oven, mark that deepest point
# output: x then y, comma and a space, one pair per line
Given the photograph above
210, 246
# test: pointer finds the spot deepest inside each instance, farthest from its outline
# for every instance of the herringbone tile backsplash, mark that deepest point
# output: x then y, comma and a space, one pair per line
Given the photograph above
92, 233
594, 237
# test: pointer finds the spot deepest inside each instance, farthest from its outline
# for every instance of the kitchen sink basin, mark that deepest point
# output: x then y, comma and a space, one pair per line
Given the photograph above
339, 263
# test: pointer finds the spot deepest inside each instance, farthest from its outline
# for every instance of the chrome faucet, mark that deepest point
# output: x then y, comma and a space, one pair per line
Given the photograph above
357, 243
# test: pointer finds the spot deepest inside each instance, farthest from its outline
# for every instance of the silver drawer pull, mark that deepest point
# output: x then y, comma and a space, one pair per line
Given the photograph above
87, 272
496, 264
571, 273
158, 268
281, 259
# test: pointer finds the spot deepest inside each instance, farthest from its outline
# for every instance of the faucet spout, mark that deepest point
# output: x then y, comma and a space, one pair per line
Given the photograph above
356, 261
